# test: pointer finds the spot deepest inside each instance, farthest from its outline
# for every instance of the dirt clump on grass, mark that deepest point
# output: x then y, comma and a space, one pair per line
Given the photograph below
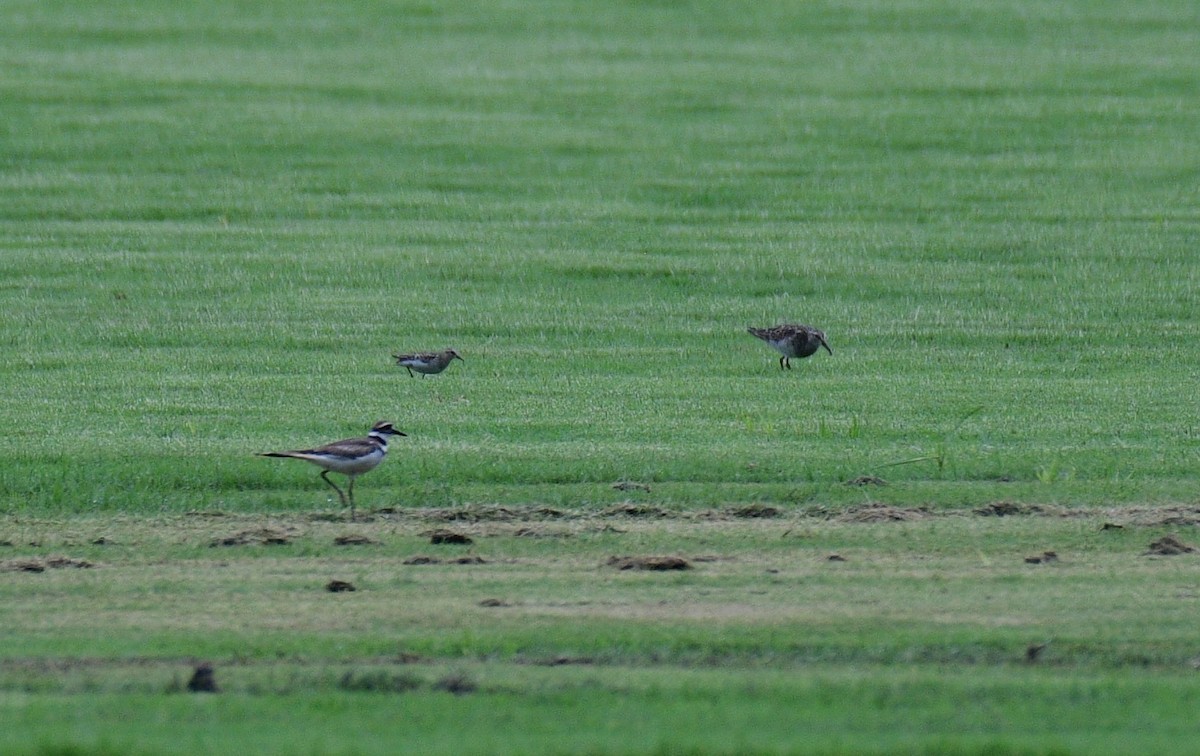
1004, 509
421, 559
254, 537
534, 532
877, 512
1171, 516
1169, 545
471, 514
203, 680
1046, 557
655, 563
441, 536
629, 509
354, 539
340, 586
753, 511
41, 565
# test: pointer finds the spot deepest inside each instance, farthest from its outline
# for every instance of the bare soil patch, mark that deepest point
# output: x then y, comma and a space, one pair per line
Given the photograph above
752, 511
655, 563
354, 539
1046, 557
538, 532
882, 513
1004, 509
41, 565
421, 559
442, 536
255, 537
1169, 546
339, 586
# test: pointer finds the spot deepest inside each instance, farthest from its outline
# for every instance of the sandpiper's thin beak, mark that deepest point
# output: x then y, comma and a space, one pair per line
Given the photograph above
457, 357
827, 349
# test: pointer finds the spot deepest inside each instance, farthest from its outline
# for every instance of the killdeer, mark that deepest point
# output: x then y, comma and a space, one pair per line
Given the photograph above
350, 457
792, 341
427, 363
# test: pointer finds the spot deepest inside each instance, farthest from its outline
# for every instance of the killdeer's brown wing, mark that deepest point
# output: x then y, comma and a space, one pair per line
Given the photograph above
347, 447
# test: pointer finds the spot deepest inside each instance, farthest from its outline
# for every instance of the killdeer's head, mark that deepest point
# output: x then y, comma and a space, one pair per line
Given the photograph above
384, 429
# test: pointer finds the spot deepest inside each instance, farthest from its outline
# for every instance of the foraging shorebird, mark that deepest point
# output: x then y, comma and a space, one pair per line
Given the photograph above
350, 457
792, 341
427, 363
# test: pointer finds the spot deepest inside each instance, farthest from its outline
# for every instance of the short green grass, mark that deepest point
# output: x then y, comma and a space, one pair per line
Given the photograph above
917, 641
218, 220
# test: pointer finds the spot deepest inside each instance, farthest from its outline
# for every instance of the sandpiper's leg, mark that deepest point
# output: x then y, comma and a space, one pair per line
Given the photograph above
342, 496
406, 367
782, 362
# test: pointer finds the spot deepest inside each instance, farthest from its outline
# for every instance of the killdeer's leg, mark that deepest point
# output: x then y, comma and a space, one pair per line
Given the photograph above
781, 361
325, 477
351, 491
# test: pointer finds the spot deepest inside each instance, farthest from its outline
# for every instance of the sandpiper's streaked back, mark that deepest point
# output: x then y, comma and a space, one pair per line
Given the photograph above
351, 457
792, 341
427, 363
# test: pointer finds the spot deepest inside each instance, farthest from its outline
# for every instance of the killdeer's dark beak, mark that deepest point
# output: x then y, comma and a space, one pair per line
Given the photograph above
827, 349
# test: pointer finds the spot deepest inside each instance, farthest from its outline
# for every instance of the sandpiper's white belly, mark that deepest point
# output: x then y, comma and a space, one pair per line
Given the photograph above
785, 346
422, 366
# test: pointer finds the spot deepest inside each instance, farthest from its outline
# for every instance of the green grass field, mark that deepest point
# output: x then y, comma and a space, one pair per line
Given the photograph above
218, 220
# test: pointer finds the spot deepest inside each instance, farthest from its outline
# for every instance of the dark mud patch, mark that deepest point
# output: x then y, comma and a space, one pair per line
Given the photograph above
340, 586
442, 537
457, 684
203, 680
653, 563
421, 559
354, 539
494, 603
1169, 546
1046, 557
41, 565
255, 537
